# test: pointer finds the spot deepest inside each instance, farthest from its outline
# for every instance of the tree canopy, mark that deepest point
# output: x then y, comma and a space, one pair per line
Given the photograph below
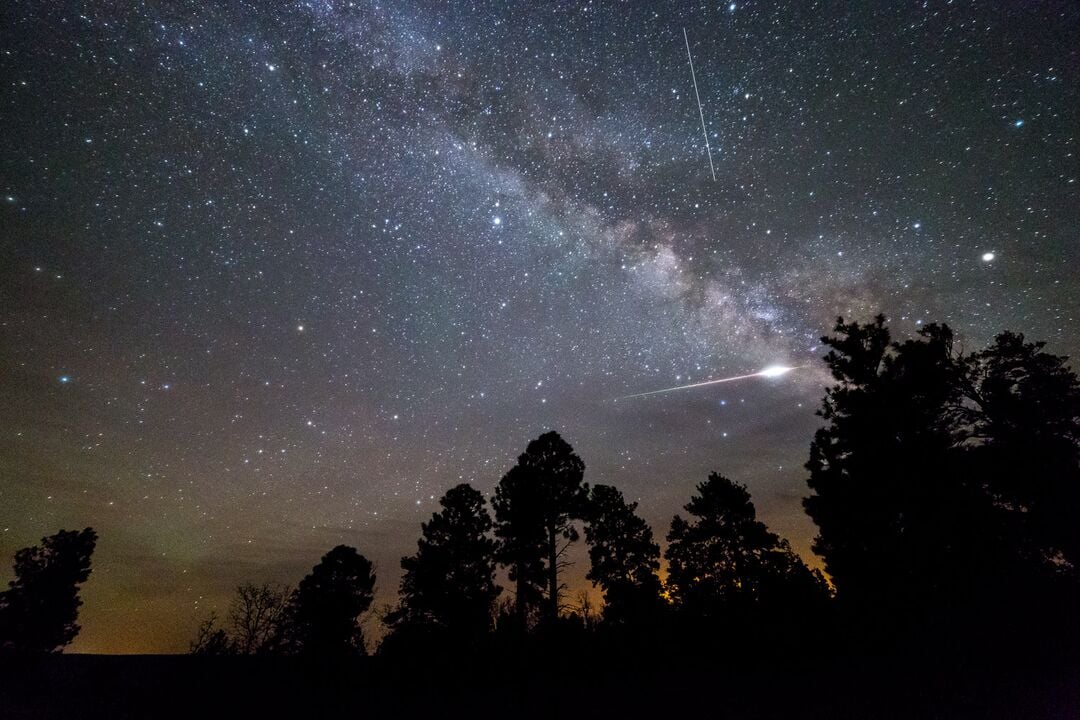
536, 504
450, 581
323, 617
623, 557
726, 560
39, 610
944, 480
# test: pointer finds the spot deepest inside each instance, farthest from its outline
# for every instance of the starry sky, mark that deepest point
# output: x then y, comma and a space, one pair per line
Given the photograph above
275, 275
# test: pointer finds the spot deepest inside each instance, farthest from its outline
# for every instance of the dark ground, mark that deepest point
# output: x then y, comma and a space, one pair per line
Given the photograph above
87, 686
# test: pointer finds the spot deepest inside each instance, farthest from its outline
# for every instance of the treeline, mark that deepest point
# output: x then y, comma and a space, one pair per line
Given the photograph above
945, 487
722, 561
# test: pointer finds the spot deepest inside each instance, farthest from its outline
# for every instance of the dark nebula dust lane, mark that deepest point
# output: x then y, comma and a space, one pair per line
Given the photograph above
277, 275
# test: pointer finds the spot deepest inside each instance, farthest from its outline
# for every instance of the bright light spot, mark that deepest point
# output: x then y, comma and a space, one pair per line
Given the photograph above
1019, 123
917, 225
988, 257
65, 379
300, 328
496, 220
731, 7
775, 371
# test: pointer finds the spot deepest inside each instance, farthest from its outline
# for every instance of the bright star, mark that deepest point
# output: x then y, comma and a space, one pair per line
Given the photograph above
988, 257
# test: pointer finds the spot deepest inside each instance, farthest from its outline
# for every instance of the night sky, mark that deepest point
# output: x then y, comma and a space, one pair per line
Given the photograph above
275, 275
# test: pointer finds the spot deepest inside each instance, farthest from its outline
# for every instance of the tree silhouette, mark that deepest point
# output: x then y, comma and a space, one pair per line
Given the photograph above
450, 582
884, 488
256, 617
257, 623
536, 504
623, 557
521, 541
1021, 420
727, 560
586, 610
944, 485
211, 639
38, 611
323, 617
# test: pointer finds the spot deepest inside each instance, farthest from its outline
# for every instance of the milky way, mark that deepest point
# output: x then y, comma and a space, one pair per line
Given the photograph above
277, 275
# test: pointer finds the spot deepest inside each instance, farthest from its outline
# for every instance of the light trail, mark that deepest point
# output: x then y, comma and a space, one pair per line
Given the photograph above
770, 372
701, 112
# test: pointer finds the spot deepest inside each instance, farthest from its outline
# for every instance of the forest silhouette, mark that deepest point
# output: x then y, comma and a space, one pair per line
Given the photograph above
945, 487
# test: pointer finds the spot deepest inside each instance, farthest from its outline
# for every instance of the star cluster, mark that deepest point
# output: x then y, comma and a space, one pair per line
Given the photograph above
277, 275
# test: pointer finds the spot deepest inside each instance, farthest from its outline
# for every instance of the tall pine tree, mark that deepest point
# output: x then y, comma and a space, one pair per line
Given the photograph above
726, 562
449, 584
623, 558
536, 504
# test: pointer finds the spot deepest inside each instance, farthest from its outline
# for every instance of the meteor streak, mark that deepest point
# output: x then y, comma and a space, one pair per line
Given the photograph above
701, 111
770, 372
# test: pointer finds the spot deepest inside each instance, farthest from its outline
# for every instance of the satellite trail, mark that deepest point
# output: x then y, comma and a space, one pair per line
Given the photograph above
769, 372
701, 112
